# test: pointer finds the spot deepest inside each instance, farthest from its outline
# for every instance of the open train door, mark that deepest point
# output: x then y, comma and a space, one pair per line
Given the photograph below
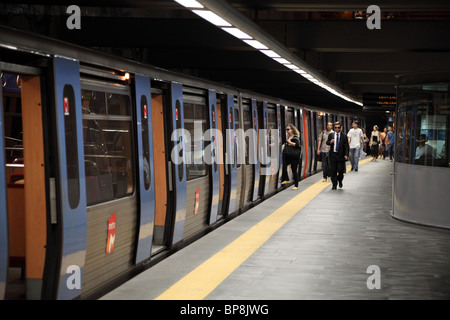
4, 253
71, 185
145, 160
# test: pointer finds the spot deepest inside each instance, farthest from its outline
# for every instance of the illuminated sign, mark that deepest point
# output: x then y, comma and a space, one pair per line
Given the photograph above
379, 100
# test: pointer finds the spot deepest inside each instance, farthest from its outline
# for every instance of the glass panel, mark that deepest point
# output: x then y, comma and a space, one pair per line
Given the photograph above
118, 104
93, 102
196, 123
108, 149
145, 142
424, 125
70, 121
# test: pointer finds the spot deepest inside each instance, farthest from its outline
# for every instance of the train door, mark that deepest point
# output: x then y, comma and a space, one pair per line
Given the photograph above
314, 130
71, 190
215, 138
248, 141
239, 136
221, 160
178, 158
272, 148
264, 150
198, 182
231, 155
161, 229
146, 168
321, 125
23, 210
254, 153
279, 144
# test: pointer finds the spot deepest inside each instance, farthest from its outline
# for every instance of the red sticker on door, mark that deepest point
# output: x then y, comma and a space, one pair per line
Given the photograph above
66, 106
197, 200
111, 233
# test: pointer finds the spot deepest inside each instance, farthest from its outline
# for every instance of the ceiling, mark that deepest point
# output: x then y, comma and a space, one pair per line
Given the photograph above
414, 37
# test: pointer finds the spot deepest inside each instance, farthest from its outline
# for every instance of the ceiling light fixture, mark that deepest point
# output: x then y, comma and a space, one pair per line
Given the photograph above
212, 17
237, 33
256, 44
263, 46
190, 3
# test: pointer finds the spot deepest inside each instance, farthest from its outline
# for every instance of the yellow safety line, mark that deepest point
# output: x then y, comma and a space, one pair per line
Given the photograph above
205, 278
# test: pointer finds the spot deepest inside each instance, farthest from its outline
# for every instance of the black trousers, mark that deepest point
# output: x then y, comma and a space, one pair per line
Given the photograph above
294, 167
337, 169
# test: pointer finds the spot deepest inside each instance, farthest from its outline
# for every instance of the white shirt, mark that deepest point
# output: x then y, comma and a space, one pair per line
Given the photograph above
425, 151
356, 136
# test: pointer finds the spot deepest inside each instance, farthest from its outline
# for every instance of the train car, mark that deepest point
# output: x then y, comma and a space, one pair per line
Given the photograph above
109, 166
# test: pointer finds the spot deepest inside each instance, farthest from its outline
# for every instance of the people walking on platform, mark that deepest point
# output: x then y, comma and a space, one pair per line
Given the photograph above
383, 138
291, 155
339, 150
374, 141
390, 148
322, 151
356, 141
366, 141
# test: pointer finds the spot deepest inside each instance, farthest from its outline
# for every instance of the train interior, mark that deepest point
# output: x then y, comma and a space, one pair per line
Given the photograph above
25, 181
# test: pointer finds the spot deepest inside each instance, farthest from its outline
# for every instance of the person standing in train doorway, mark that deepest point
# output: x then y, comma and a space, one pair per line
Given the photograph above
291, 155
339, 150
322, 150
355, 140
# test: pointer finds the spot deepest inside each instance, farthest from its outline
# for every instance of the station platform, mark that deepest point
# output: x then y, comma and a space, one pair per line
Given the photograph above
314, 243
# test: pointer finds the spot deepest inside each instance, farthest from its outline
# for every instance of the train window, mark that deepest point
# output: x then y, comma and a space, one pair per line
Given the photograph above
423, 125
145, 142
118, 104
272, 124
70, 120
93, 102
108, 146
180, 139
12, 107
196, 123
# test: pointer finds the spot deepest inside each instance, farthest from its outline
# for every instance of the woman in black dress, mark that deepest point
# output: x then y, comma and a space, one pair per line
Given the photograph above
374, 141
291, 155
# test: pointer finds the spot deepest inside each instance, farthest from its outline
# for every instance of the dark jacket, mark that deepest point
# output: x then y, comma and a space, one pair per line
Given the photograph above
344, 148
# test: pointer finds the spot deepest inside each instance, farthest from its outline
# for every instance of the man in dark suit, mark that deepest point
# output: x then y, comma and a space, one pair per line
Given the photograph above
339, 150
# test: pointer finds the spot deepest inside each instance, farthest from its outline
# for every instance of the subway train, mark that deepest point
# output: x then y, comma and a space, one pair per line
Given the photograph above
90, 194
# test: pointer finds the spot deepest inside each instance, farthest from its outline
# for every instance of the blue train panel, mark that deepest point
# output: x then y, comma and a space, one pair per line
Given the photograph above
146, 168
280, 144
72, 185
255, 153
178, 156
214, 147
231, 151
264, 147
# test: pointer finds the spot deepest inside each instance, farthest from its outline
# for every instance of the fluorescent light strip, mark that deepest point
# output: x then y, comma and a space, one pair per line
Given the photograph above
256, 44
292, 66
270, 53
189, 3
282, 60
237, 33
212, 17
220, 22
